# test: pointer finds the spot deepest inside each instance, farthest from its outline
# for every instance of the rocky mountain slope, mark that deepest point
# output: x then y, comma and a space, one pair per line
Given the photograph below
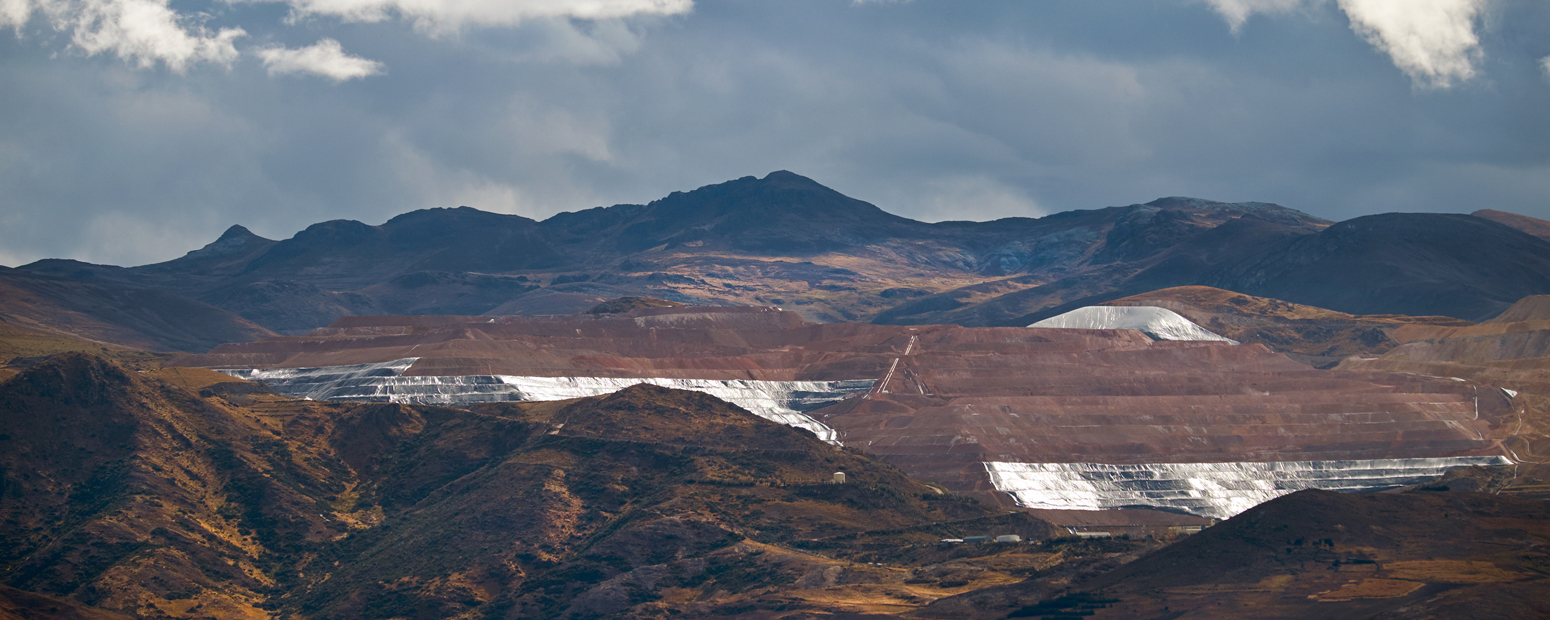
1416, 264
786, 240
183, 493
782, 240
180, 494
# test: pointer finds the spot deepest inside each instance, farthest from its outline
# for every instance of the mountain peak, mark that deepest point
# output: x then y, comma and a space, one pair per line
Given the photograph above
236, 239
237, 232
787, 177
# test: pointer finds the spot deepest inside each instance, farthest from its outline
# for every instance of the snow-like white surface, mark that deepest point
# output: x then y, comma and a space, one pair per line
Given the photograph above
1218, 490
777, 401
1159, 323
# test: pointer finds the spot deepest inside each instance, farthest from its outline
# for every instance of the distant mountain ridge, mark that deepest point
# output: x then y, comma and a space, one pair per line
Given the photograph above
789, 241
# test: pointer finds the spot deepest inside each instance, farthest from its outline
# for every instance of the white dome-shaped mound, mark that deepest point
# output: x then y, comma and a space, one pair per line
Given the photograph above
1159, 323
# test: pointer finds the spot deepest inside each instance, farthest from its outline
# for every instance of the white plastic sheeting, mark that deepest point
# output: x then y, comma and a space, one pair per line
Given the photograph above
1218, 490
777, 401
1159, 323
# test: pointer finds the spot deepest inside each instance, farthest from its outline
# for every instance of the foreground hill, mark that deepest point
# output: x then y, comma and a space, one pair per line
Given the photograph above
1429, 553
183, 493
132, 493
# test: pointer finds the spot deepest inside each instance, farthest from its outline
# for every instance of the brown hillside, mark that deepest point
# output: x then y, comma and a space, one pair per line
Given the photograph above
626, 304
20, 347
128, 492
949, 398
19, 605
1533, 226
1312, 335
1315, 554
1512, 350
118, 315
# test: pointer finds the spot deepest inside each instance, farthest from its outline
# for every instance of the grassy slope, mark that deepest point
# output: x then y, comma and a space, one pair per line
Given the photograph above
1313, 335
131, 492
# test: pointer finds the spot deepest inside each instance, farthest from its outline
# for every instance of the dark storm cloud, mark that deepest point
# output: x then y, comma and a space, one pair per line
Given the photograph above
933, 110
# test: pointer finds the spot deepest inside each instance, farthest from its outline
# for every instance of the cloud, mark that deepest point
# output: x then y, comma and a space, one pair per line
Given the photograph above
144, 32
1545, 63
147, 32
1432, 41
442, 15
1236, 12
973, 197
325, 58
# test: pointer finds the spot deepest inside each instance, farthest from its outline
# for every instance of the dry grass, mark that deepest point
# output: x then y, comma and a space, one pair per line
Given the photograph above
1449, 571
1369, 588
192, 378
19, 342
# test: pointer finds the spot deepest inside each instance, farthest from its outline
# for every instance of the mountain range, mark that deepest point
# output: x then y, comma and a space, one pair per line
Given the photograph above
134, 483
787, 240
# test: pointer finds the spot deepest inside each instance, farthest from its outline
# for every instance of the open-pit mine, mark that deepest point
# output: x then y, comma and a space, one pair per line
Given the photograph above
1049, 418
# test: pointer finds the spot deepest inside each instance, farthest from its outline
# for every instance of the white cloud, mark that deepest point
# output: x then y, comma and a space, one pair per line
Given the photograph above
147, 32
1432, 41
118, 238
1236, 12
972, 197
325, 58
442, 15
15, 12
141, 31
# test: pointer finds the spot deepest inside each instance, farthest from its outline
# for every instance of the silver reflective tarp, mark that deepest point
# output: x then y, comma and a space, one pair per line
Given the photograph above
1218, 490
778, 401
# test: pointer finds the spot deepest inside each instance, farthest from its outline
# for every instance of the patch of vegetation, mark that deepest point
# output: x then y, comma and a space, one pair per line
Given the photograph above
1079, 605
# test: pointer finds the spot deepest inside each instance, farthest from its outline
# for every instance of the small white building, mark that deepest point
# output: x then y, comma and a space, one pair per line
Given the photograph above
1009, 538
839, 477
1094, 535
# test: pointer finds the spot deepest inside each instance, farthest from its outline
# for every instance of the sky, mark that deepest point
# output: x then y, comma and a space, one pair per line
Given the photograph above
133, 131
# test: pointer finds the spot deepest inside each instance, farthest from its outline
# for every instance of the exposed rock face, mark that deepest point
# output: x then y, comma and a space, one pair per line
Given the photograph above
946, 399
